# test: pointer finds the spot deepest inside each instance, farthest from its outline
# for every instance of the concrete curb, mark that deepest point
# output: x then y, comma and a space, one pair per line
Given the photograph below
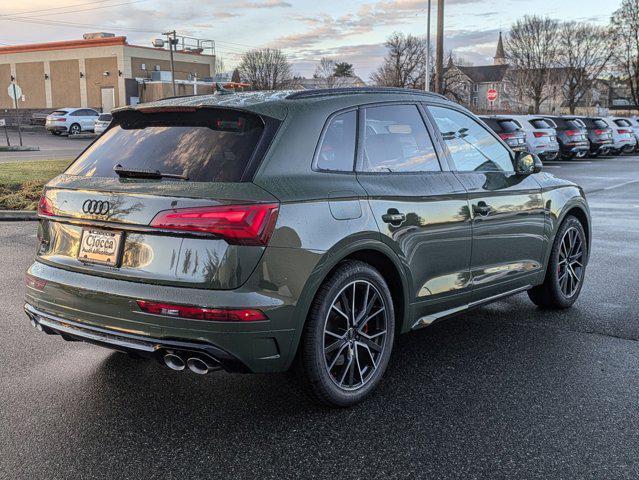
79, 136
18, 148
18, 215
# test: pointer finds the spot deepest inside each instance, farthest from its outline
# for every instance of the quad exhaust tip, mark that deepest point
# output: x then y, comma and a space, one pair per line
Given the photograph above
174, 362
198, 366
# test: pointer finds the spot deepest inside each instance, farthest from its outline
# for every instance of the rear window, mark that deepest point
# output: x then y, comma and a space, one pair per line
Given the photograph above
623, 123
594, 123
540, 123
59, 112
206, 145
105, 117
501, 126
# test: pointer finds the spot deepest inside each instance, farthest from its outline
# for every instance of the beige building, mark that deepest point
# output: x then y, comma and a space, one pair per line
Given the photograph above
100, 71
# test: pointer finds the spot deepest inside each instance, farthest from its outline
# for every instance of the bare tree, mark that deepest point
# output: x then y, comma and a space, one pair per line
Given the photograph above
531, 49
266, 69
325, 73
584, 52
455, 84
404, 64
625, 25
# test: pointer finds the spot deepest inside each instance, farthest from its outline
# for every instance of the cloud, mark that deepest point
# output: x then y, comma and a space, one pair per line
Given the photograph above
264, 4
365, 19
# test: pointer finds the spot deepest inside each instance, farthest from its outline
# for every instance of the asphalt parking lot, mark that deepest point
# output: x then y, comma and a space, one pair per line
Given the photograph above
52, 147
504, 391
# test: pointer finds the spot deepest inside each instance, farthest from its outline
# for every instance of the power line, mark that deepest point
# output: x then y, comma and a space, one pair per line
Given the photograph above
62, 23
52, 8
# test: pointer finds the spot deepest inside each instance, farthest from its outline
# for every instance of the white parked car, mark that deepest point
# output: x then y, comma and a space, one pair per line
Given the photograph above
71, 121
541, 137
102, 123
630, 122
623, 137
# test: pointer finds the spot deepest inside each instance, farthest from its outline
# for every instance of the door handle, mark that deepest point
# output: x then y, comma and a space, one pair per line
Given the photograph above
482, 208
394, 218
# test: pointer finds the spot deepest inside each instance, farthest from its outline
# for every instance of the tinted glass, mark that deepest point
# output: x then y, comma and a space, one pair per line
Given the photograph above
472, 147
598, 123
203, 146
623, 123
105, 117
508, 125
59, 112
575, 124
337, 151
540, 123
396, 140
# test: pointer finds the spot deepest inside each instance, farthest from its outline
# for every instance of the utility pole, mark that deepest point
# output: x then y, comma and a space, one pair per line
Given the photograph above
427, 79
172, 37
439, 54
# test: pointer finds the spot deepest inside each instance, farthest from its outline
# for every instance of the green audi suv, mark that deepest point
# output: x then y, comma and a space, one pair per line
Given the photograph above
275, 231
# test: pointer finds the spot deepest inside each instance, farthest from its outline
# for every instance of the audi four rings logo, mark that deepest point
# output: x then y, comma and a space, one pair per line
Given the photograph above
96, 207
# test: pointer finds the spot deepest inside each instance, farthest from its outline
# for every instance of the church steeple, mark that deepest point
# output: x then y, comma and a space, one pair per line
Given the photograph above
500, 55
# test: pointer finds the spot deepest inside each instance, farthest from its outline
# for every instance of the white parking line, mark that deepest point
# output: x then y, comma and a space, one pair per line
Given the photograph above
620, 184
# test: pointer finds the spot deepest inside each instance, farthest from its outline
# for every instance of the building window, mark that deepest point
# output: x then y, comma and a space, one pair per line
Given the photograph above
475, 87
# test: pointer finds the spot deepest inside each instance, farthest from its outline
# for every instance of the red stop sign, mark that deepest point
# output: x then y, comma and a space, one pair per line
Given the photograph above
492, 95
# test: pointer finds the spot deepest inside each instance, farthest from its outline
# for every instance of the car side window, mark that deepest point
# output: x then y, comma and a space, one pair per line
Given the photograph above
471, 146
396, 140
76, 113
337, 150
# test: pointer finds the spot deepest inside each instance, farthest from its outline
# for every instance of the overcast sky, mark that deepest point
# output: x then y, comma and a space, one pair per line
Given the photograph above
305, 29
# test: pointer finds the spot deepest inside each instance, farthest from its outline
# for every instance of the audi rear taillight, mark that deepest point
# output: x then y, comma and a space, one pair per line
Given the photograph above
573, 133
624, 131
44, 206
59, 119
506, 136
200, 313
237, 224
540, 134
600, 132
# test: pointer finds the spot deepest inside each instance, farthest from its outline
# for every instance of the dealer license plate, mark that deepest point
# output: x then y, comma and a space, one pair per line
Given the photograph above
100, 246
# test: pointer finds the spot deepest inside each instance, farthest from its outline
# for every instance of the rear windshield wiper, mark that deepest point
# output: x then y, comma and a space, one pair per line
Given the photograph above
144, 173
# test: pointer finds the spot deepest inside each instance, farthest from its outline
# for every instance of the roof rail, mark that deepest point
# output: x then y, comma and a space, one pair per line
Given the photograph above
325, 92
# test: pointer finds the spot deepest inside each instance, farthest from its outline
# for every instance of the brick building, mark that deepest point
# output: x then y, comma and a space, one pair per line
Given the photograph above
99, 71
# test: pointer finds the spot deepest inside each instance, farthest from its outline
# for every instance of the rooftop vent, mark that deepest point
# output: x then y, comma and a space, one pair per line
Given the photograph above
94, 35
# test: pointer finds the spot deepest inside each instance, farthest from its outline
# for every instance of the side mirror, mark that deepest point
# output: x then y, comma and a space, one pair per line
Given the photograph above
527, 163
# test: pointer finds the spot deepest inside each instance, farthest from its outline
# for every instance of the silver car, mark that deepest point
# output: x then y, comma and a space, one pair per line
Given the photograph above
541, 137
71, 121
623, 138
102, 123
629, 122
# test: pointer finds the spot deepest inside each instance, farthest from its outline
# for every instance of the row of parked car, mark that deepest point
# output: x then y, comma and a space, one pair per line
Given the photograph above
73, 121
552, 137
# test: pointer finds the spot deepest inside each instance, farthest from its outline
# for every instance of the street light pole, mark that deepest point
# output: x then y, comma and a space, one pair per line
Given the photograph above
427, 76
439, 54
171, 36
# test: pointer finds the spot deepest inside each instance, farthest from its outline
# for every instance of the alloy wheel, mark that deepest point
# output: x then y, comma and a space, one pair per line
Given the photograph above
355, 332
571, 262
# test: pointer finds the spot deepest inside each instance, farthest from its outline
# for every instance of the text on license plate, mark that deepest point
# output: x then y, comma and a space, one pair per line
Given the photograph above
100, 246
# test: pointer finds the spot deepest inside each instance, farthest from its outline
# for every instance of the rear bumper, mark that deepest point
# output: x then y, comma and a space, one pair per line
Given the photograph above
108, 306
126, 342
56, 128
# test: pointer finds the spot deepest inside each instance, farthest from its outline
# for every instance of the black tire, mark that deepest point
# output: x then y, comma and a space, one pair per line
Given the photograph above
551, 294
56, 133
321, 380
75, 129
